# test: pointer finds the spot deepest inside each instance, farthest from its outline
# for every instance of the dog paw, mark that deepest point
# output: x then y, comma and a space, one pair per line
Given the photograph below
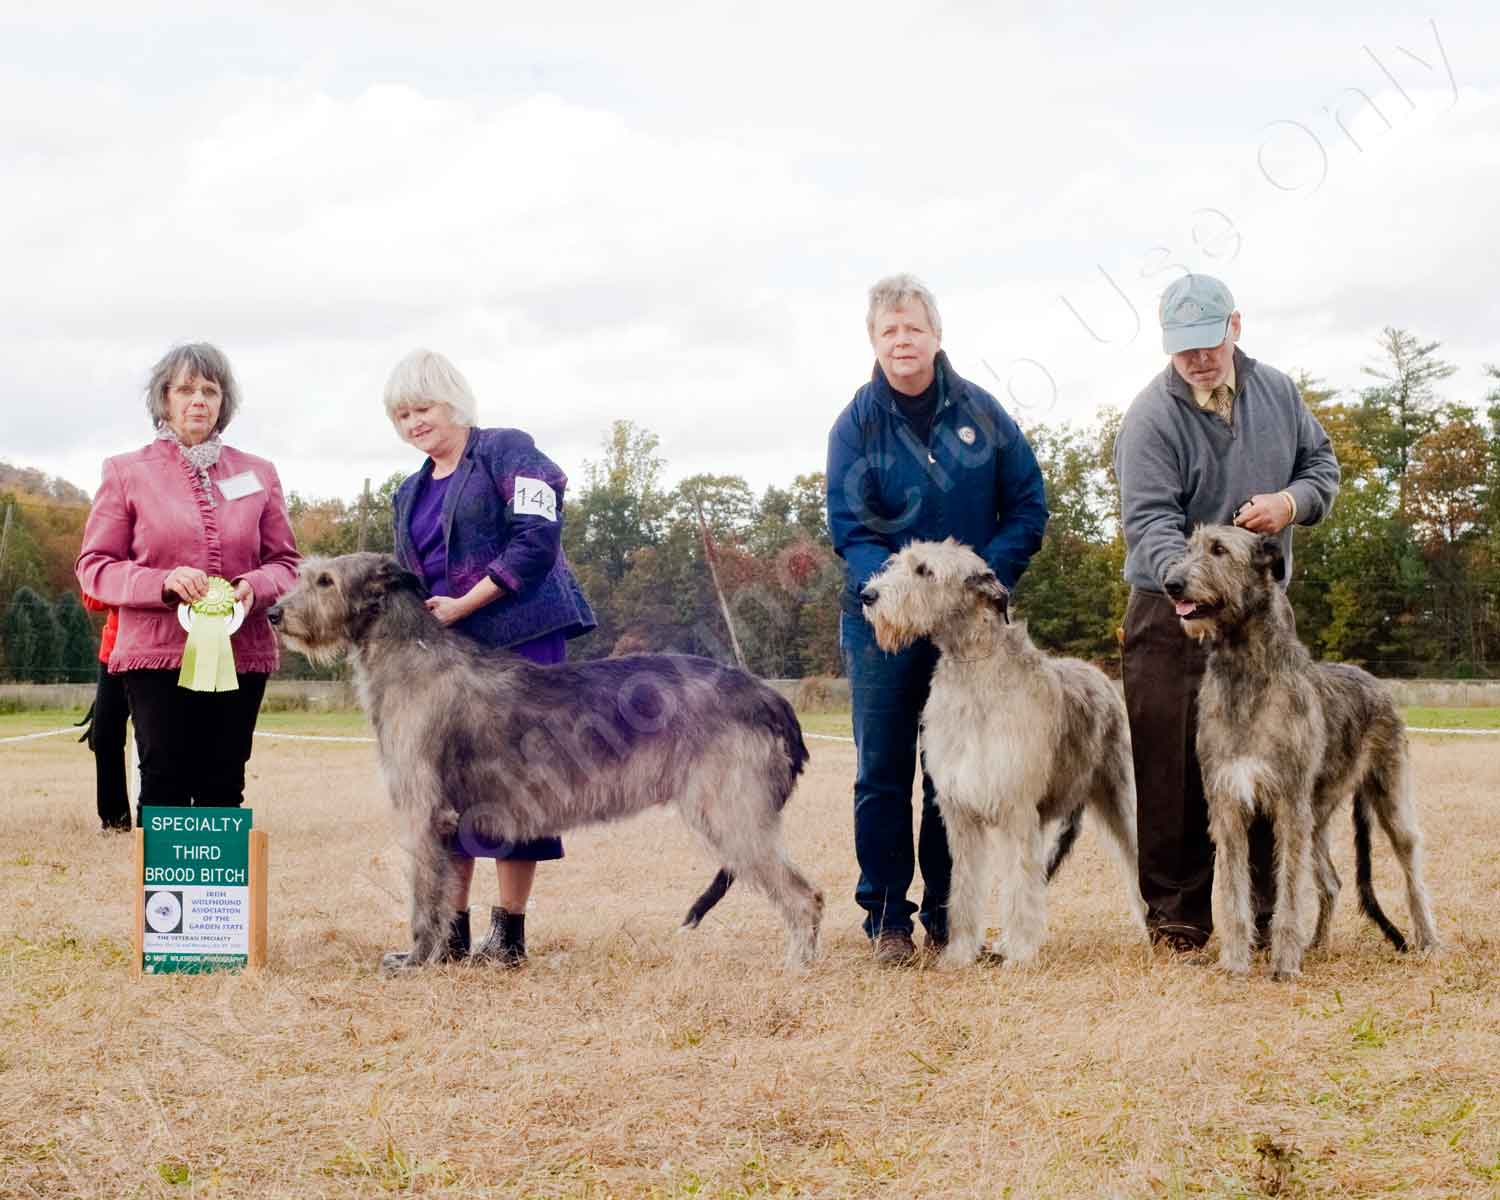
1237, 968
1286, 975
955, 958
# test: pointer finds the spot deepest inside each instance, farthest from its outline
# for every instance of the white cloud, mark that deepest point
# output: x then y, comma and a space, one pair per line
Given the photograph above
671, 216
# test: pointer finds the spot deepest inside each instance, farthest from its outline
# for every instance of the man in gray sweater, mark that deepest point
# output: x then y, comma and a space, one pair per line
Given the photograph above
1216, 437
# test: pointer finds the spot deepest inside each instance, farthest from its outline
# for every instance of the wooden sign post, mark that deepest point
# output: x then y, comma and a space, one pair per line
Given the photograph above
200, 900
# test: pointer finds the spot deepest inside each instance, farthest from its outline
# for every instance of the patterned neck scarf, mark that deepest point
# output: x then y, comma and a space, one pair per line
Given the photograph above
199, 457
1222, 402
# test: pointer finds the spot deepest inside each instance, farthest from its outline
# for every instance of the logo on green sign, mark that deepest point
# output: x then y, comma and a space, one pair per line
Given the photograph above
197, 876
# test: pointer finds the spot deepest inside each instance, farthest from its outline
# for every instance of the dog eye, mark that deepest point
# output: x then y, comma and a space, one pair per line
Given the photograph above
1216, 549
325, 580
922, 569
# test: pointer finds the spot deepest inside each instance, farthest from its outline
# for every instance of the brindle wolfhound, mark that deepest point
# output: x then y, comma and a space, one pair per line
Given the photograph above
476, 740
1282, 735
1014, 741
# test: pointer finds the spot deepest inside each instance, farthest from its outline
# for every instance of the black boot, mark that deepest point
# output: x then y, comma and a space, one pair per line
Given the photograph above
455, 949
505, 944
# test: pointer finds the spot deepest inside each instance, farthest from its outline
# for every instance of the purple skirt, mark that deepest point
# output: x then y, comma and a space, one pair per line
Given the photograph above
547, 650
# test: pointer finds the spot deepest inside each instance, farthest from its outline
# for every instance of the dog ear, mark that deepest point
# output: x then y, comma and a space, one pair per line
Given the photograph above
391, 576
1272, 558
385, 577
990, 590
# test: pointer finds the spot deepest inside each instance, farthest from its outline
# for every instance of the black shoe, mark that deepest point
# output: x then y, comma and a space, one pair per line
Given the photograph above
455, 949
505, 943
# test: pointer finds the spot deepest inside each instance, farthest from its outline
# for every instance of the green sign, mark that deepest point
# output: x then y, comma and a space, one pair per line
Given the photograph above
197, 881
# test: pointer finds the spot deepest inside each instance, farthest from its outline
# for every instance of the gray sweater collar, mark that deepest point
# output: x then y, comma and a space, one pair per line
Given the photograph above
1244, 367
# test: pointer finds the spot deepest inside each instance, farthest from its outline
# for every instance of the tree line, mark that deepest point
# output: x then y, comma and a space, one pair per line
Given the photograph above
1402, 578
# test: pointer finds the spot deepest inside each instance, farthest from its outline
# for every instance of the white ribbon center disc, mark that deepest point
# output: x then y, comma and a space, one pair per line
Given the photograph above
185, 617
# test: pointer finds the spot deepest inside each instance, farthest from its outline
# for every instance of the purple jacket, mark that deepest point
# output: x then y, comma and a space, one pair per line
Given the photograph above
149, 516
502, 518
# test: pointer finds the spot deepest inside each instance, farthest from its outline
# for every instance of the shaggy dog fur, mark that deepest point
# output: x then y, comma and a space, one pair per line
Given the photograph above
1015, 742
1282, 735
472, 739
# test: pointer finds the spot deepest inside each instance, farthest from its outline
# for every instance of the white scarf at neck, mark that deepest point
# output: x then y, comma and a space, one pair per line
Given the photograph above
199, 457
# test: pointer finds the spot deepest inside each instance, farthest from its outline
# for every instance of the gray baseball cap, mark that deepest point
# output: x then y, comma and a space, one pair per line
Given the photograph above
1194, 313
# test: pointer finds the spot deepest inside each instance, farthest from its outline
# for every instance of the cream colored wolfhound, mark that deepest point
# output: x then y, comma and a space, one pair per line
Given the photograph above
1015, 741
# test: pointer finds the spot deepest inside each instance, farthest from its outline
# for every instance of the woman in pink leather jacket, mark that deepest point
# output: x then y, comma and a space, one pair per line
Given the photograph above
166, 518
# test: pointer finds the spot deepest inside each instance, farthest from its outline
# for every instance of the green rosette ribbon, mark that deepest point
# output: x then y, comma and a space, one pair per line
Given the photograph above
208, 658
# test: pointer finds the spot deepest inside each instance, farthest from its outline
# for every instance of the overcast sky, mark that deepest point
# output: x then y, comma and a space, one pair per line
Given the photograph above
671, 212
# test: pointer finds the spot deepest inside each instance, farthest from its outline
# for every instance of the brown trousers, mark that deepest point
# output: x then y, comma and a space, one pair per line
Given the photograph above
1162, 669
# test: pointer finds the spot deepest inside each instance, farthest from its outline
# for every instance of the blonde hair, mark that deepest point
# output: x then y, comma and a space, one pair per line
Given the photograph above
426, 377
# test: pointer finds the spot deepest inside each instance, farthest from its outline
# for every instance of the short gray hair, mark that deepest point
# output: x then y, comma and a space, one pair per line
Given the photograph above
898, 291
196, 358
426, 377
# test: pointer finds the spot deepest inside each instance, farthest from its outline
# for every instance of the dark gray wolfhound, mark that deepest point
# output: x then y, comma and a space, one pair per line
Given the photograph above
475, 740
1281, 735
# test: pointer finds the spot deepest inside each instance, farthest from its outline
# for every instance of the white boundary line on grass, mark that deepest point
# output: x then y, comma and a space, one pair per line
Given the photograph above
27, 737
328, 737
822, 737
313, 737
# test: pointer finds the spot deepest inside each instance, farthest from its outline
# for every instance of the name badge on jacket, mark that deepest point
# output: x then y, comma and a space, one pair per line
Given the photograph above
238, 486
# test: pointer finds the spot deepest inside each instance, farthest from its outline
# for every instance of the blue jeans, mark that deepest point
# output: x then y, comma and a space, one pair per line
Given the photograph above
888, 692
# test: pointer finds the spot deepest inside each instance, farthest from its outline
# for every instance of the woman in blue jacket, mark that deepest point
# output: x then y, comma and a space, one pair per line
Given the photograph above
481, 523
919, 454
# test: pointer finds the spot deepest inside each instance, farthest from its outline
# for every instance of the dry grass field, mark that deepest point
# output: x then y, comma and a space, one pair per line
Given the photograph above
626, 1061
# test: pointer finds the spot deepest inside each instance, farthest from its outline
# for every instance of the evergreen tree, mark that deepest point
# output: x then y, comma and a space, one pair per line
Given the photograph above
77, 646
20, 640
1401, 409
31, 638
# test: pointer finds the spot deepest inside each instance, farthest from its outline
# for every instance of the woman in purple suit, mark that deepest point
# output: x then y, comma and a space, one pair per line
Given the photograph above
481, 523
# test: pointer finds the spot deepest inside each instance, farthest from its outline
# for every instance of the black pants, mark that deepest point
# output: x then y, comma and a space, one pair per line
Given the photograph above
193, 745
107, 741
1162, 669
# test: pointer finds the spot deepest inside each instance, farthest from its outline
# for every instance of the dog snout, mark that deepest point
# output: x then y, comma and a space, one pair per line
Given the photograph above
1174, 585
868, 595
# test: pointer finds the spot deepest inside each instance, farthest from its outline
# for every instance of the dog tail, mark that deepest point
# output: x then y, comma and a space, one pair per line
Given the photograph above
711, 896
1066, 836
784, 726
1367, 900
796, 748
